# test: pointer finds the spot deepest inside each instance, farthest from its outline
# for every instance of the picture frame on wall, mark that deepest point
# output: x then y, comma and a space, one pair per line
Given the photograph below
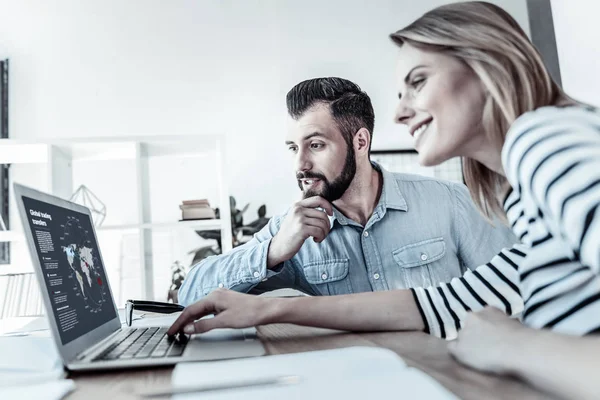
407, 161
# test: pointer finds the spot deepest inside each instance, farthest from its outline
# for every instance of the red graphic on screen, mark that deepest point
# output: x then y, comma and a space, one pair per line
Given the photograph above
99, 280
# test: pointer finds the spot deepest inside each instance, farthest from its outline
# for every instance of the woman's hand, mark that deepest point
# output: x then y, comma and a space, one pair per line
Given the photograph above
231, 310
488, 341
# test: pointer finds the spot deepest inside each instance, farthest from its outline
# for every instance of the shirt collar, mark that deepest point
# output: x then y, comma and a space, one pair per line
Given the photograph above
339, 217
391, 197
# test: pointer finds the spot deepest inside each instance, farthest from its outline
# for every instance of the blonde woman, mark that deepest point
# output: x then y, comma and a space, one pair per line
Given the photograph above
471, 84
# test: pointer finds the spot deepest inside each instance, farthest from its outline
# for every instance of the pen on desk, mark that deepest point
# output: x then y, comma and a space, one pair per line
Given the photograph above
279, 380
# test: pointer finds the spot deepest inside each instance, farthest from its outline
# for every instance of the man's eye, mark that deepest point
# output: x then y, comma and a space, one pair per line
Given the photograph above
293, 149
316, 145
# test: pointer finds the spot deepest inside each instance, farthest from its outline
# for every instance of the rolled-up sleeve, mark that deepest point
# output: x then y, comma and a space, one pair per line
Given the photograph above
240, 269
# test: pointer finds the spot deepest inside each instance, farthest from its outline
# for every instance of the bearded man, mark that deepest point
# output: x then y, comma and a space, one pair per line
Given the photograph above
358, 228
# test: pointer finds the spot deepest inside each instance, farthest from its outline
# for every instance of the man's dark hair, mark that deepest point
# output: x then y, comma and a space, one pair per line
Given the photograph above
350, 106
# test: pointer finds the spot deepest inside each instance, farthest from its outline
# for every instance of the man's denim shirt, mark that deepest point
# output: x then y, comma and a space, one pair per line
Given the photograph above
423, 231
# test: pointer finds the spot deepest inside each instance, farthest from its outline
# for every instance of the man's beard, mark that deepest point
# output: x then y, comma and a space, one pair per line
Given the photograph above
336, 189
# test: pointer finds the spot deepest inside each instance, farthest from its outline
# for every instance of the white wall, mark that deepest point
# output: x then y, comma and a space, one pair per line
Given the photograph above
83, 68
155, 67
578, 43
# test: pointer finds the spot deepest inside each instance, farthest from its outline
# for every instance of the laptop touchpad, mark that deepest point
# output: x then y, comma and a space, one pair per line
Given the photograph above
218, 335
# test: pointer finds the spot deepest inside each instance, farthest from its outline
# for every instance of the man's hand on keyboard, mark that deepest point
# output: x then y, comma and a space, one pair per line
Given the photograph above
231, 310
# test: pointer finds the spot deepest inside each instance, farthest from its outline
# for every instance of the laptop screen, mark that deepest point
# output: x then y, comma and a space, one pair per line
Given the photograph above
72, 268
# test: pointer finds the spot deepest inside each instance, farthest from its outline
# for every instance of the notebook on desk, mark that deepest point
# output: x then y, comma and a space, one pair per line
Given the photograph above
347, 373
78, 299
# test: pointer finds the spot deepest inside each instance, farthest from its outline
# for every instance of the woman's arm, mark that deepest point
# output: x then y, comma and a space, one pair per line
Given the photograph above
438, 310
552, 158
446, 305
378, 311
558, 364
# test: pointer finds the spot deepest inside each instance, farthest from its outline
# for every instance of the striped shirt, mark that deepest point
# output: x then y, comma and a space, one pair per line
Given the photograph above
551, 157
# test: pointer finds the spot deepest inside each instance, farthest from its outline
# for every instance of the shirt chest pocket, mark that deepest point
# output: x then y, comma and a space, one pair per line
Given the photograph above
421, 253
329, 277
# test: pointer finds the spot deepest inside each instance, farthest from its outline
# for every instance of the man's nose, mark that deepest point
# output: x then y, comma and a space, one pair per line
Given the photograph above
302, 162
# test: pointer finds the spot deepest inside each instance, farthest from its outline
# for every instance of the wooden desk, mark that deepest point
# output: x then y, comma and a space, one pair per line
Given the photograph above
419, 350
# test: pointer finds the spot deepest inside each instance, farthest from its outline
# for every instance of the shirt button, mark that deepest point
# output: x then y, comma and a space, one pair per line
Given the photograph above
366, 234
324, 276
256, 274
376, 276
423, 256
220, 285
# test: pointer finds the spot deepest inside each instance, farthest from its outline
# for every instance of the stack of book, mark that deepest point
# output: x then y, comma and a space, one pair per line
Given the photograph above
196, 209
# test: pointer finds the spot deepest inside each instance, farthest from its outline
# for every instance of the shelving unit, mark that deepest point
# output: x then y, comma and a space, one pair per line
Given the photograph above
196, 225
60, 157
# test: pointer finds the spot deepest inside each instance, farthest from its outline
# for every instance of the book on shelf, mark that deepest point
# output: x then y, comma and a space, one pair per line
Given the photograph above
196, 209
200, 202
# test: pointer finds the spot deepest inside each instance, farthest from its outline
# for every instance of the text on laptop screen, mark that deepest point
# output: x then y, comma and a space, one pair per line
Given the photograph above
72, 267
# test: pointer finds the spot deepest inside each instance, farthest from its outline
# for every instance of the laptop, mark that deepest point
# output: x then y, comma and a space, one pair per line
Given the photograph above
80, 306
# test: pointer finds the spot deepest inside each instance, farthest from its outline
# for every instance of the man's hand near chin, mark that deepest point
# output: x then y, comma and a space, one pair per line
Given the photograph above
303, 220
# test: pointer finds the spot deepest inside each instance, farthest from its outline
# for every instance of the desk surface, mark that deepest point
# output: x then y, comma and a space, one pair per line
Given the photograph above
419, 350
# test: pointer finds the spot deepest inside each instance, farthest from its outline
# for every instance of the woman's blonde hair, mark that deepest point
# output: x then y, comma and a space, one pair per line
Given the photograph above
489, 41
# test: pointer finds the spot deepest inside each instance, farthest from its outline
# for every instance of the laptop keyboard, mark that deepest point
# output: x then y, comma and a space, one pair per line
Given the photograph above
139, 343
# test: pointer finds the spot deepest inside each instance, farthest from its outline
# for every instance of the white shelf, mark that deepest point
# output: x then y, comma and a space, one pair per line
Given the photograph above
17, 151
62, 156
199, 225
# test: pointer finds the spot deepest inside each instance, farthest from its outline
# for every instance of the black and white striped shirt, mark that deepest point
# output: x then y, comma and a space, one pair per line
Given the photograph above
552, 161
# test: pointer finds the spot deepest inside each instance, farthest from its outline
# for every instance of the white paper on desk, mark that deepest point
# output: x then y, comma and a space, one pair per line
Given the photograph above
40, 323
136, 315
285, 292
349, 373
22, 326
28, 359
160, 321
28, 354
44, 391
156, 321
